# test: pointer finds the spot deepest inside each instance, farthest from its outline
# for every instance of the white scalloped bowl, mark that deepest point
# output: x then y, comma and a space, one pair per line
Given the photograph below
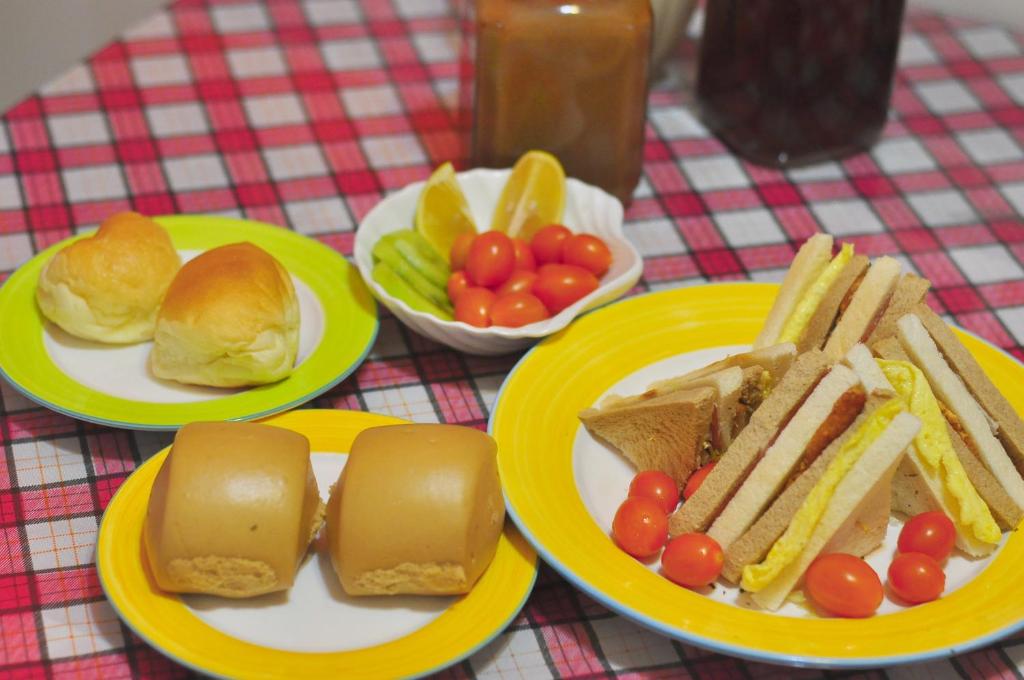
587, 210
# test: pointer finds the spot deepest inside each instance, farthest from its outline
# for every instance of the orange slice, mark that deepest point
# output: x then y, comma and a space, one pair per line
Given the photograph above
442, 212
533, 197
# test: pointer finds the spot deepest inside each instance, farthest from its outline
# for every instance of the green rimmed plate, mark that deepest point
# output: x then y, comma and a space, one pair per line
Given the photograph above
110, 384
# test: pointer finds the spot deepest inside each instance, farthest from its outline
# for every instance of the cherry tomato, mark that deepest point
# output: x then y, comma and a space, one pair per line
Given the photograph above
589, 252
524, 255
457, 284
692, 560
658, 486
916, 577
517, 309
560, 285
696, 479
640, 526
843, 585
491, 259
460, 250
931, 533
547, 243
520, 282
474, 307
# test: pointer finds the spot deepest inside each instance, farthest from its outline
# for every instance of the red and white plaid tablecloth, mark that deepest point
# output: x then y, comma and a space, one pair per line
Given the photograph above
304, 114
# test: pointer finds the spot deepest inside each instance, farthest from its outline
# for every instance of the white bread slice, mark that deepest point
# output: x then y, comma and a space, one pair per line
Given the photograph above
774, 412
860, 359
856, 500
912, 496
781, 459
824, 317
865, 308
664, 433
949, 387
776, 359
1010, 426
910, 292
813, 256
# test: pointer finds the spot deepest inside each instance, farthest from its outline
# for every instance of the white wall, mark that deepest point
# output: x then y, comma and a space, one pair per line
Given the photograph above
39, 39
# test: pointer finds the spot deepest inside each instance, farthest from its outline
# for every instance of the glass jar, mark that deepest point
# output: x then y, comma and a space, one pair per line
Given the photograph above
792, 82
569, 78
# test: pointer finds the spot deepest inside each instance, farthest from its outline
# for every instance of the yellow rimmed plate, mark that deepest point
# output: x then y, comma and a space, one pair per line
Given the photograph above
183, 632
575, 367
111, 386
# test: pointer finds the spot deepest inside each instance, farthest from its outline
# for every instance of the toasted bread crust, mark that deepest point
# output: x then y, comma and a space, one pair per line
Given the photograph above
700, 509
910, 292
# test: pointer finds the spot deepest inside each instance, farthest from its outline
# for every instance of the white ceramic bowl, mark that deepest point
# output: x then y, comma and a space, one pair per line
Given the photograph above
587, 210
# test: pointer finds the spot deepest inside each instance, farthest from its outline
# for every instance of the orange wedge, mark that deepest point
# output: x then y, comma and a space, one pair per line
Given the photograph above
533, 197
442, 212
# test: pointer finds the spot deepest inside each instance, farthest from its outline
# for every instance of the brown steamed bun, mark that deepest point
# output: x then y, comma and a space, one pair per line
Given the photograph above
108, 287
229, 319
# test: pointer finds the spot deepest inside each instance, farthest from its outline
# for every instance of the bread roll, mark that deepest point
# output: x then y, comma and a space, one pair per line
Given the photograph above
108, 287
418, 509
230, 319
232, 510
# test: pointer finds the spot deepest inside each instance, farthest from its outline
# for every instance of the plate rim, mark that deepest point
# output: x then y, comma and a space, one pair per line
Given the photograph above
241, 223
275, 420
712, 644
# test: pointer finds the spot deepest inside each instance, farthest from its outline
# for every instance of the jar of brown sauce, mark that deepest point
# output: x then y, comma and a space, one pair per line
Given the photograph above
565, 77
791, 82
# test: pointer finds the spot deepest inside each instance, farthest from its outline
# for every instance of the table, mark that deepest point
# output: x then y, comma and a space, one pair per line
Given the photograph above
304, 115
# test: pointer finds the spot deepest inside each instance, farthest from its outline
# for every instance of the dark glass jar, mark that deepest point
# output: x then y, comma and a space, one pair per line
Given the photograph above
792, 82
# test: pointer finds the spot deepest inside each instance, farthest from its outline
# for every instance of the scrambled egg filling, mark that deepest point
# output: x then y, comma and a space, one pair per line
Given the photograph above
804, 310
934, 448
801, 527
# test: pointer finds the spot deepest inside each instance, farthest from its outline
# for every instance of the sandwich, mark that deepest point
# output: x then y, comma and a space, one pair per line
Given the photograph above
832, 303
981, 417
680, 424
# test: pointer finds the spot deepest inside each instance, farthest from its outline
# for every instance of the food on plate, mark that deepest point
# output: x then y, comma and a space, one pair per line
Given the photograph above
931, 533
230, 319
399, 252
534, 196
640, 526
931, 477
417, 509
232, 511
491, 259
834, 303
548, 242
560, 285
844, 585
916, 578
109, 286
442, 213
658, 486
473, 306
678, 425
692, 560
589, 252
513, 310
697, 478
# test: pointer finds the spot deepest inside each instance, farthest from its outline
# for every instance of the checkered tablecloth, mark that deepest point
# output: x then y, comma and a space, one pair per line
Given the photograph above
304, 114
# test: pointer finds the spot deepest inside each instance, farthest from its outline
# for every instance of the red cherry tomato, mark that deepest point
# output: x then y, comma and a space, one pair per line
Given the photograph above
517, 309
547, 243
843, 585
474, 307
916, 577
520, 282
560, 285
696, 479
524, 255
457, 284
692, 560
589, 252
931, 533
491, 259
640, 526
658, 486
460, 250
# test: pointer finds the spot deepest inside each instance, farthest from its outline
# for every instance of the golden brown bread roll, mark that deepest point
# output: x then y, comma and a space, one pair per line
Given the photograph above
418, 510
230, 318
232, 510
108, 287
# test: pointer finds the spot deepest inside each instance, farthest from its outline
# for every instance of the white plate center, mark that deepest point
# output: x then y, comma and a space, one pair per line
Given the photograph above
123, 370
315, 615
603, 476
